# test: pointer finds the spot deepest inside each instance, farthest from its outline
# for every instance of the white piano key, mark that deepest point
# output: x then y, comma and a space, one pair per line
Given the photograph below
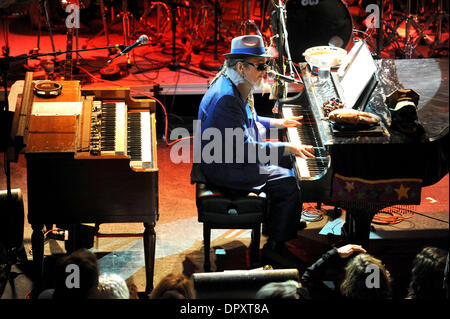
120, 143
295, 139
146, 144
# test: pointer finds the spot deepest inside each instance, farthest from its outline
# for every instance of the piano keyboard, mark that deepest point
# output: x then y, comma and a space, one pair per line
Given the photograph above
307, 134
114, 131
139, 139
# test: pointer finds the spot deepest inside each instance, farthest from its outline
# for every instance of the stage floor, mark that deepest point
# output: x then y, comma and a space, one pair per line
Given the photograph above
147, 70
395, 244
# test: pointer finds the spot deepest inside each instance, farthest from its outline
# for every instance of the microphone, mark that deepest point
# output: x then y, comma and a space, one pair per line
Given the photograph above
271, 74
142, 40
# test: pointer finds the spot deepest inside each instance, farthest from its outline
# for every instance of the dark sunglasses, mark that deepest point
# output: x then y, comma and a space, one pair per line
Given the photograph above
259, 67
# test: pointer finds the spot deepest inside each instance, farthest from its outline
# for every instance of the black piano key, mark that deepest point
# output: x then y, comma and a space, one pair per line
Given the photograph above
134, 136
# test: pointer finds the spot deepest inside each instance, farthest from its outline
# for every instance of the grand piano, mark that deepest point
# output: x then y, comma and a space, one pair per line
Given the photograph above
91, 158
366, 173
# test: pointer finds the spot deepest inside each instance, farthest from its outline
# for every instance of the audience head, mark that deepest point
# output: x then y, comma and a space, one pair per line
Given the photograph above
112, 286
366, 278
76, 275
427, 275
289, 289
174, 286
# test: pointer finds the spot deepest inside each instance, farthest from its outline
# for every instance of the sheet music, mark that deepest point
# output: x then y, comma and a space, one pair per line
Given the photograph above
356, 73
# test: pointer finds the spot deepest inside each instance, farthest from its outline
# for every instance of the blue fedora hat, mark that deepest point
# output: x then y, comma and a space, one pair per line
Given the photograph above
248, 46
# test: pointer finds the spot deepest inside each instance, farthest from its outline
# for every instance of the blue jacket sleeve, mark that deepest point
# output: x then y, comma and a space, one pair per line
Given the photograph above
265, 121
230, 114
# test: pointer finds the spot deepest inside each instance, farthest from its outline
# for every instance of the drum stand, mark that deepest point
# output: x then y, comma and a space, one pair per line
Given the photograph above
246, 22
105, 26
175, 64
43, 5
215, 63
439, 17
126, 27
409, 43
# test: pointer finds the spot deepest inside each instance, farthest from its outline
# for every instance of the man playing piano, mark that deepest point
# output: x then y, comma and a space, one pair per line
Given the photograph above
228, 106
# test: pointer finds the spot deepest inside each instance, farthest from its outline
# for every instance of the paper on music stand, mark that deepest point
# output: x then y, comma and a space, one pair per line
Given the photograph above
355, 73
56, 108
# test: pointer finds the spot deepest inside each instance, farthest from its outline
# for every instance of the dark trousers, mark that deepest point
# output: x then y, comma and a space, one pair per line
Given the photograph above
284, 204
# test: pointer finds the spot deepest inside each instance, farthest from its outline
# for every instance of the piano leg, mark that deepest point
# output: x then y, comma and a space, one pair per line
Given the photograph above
357, 226
149, 254
37, 246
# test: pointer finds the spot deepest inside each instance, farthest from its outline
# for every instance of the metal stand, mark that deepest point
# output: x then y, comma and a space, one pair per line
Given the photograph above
409, 44
215, 63
281, 38
175, 64
105, 27
246, 22
245, 17
126, 27
44, 5
439, 18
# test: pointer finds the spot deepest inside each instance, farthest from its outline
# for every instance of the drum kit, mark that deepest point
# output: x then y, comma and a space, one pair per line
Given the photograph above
183, 27
400, 27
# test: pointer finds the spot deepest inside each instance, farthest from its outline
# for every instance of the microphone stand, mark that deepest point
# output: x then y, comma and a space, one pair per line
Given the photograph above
283, 48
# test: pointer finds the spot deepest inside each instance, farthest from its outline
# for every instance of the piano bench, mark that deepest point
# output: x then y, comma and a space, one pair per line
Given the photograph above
230, 209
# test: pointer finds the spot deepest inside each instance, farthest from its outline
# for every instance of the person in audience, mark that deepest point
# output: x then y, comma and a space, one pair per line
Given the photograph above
174, 286
132, 288
446, 283
427, 274
365, 276
289, 289
76, 277
112, 286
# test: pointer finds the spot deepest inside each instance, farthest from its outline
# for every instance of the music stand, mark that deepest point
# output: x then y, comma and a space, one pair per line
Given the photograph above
356, 78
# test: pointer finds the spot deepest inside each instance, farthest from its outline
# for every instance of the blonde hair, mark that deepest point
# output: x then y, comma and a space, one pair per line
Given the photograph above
112, 286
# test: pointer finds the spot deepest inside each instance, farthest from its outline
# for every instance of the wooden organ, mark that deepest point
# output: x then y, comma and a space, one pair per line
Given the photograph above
91, 158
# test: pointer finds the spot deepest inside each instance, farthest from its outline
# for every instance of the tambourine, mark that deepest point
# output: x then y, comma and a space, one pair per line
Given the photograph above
47, 89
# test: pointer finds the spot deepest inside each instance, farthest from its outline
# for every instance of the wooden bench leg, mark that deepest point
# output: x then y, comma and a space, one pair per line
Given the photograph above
149, 255
254, 246
206, 247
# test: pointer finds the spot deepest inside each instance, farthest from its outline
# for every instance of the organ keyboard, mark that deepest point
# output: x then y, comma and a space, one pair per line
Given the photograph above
114, 131
139, 139
91, 158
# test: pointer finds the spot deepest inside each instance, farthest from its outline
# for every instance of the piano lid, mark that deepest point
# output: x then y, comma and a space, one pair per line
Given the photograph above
429, 78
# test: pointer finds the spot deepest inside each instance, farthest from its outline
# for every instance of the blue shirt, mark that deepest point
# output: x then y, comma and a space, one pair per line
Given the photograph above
242, 160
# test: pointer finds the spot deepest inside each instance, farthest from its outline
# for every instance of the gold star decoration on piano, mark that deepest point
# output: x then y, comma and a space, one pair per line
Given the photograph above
402, 192
349, 186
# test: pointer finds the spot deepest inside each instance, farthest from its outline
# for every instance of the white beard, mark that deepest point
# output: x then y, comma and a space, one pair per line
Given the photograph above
237, 79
